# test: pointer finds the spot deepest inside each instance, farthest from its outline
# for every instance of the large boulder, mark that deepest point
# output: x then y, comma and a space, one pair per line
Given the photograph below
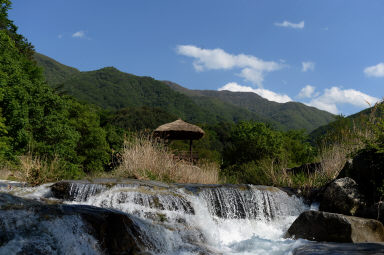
332, 227
367, 169
30, 227
342, 196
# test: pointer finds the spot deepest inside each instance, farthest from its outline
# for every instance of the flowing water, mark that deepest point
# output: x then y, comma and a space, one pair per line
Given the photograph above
193, 219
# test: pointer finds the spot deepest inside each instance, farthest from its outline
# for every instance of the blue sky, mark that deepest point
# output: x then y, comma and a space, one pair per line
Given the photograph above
328, 54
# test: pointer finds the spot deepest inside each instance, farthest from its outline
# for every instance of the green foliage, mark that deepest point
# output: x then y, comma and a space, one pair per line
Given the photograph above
252, 141
7, 26
54, 72
297, 148
37, 121
250, 172
255, 151
377, 127
140, 118
92, 149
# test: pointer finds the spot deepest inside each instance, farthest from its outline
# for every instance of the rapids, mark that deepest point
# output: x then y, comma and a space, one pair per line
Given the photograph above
177, 219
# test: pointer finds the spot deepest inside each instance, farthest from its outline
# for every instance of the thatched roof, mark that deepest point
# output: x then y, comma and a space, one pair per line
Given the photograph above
179, 130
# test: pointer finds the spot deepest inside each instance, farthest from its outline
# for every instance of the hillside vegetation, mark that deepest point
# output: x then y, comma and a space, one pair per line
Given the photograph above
291, 115
54, 72
112, 89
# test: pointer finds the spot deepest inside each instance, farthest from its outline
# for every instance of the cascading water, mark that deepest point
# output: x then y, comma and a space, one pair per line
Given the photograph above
197, 219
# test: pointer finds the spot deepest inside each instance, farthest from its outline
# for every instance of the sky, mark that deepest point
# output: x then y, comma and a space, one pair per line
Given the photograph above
328, 54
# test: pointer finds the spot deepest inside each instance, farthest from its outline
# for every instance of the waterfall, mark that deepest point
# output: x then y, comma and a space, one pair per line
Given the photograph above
183, 219
204, 218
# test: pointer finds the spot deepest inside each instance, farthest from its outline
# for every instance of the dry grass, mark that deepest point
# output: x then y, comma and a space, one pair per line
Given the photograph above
144, 158
35, 170
333, 155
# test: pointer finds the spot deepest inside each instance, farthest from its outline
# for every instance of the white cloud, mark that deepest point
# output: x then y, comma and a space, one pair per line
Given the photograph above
307, 92
307, 66
252, 68
375, 71
270, 95
334, 96
79, 34
286, 23
60, 36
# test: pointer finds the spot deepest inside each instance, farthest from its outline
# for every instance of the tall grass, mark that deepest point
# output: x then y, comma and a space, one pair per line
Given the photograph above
145, 158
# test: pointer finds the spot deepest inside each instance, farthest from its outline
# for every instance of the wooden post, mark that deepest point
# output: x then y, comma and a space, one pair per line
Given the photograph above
190, 150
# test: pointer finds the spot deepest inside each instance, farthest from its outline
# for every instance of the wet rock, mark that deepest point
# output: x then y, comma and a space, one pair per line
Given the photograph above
339, 249
35, 223
342, 196
61, 190
332, 227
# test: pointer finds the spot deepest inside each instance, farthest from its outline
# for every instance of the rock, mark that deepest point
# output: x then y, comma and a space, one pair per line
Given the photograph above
367, 169
41, 226
375, 211
342, 196
332, 227
338, 249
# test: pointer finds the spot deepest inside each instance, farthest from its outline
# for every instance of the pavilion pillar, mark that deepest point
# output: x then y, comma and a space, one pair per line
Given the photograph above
190, 149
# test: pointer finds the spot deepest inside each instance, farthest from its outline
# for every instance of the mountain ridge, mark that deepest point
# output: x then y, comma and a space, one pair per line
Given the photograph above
112, 89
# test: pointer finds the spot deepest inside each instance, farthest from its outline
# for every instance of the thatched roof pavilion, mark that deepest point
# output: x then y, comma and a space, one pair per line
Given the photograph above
179, 130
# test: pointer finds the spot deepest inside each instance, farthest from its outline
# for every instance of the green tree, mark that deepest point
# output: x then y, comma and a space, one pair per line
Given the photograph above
297, 149
92, 148
252, 141
7, 25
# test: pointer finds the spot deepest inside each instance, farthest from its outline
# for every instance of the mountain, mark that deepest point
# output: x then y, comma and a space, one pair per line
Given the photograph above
356, 120
112, 89
54, 72
292, 115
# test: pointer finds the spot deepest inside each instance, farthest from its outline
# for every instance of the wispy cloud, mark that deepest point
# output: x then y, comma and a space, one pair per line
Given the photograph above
251, 68
79, 34
286, 23
332, 97
270, 95
375, 71
307, 66
60, 36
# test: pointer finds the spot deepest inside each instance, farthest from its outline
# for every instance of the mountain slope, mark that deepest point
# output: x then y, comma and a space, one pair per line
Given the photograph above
356, 120
54, 72
114, 90
292, 115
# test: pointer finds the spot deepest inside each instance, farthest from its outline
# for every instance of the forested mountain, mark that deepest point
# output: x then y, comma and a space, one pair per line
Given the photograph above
54, 72
291, 115
112, 89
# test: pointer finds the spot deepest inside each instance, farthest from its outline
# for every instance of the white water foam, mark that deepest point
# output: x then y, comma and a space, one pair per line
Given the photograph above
21, 189
216, 221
